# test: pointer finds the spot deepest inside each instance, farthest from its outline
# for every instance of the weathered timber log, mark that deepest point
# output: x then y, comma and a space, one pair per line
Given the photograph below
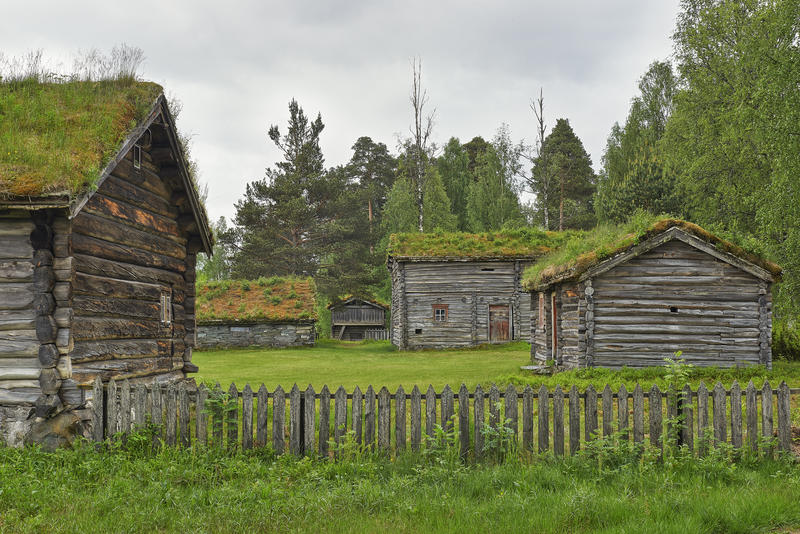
105, 206
62, 291
146, 178
48, 355
87, 284
17, 296
17, 319
90, 351
120, 233
16, 271
47, 405
85, 373
64, 340
123, 253
89, 305
46, 329
16, 247
126, 271
43, 258
19, 397
64, 367
43, 279
49, 381
21, 227
63, 317
18, 343
19, 373
128, 191
41, 237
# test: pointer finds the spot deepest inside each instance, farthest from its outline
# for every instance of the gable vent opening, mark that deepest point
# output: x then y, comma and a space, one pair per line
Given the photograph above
673, 309
487, 269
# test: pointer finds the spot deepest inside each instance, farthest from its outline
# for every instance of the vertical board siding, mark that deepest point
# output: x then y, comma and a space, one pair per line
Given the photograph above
550, 418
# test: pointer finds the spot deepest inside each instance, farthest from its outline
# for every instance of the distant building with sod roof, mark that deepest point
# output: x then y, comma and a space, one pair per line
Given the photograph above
268, 312
358, 318
634, 296
457, 289
100, 226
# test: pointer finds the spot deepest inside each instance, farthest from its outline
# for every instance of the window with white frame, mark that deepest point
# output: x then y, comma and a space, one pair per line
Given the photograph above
166, 308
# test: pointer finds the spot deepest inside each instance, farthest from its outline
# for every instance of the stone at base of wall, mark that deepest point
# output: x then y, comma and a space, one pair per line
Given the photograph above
20, 426
260, 335
15, 424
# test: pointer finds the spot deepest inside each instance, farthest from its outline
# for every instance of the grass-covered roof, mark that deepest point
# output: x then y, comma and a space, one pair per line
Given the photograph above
581, 252
274, 299
525, 243
55, 138
372, 300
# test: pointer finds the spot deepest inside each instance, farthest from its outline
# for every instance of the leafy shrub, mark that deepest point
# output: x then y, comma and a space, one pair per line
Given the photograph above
786, 340
245, 285
276, 299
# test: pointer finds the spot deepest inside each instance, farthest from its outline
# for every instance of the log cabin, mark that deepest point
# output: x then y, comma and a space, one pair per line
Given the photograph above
643, 296
459, 290
100, 227
268, 312
358, 318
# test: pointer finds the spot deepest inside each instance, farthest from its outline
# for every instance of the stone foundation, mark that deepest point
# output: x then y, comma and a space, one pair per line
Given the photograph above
258, 335
15, 424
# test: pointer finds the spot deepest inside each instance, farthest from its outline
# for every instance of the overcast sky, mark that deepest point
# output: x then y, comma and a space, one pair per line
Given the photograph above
236, 64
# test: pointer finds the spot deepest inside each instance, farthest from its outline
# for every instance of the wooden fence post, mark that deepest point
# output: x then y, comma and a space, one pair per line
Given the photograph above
478, 421
544, 424
172, 415
324, 420
416, 418
494, 406
656, 417
558, 421
232, 415
687, 429
638, 414
384, 421
262, 411
622, 412
278, 420
369, 418
718, 396
608, 411
139, 403
510, 413
295, 428
527, 418
574, 420
98, 405
736, 415
125, 407
590, 418
339, 417
463, 420
752, 416
247, 418
400, 419
784, 419
357, 412
156, 413
183, 416
448, 409
702, 418
430, 411
766, 412
201, 416
216, 425
309, 421
112, 409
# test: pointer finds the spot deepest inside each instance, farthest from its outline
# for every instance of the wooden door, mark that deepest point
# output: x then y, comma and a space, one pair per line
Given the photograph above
499, 322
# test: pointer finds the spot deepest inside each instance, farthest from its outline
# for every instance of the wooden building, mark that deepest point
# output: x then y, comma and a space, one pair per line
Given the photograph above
642, 298
99, 233
458, 290
268, 312
356, 319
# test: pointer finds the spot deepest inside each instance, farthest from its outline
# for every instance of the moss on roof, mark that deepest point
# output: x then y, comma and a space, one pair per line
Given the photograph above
372, 300
528, 243
582, 252
55, 138
275, 299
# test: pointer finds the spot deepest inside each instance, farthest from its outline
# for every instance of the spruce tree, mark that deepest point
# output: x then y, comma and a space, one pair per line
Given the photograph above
436, 208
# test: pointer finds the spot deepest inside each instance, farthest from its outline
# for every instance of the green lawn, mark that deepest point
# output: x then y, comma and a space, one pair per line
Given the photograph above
338, 363
349, 364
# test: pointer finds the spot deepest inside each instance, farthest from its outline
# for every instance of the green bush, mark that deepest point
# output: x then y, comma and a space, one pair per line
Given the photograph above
786, 340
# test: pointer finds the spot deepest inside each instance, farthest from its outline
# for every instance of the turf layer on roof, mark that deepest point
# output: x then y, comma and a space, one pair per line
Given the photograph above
529, 243
275, 299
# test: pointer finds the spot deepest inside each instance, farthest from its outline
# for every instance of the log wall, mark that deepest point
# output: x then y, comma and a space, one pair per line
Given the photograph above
468, 288
129, 246
677, 298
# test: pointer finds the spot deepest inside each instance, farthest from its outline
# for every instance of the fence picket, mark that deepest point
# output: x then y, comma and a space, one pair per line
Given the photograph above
324, 420
125, 406
687, 428
544, 426
430, 411
463, 420
339, 416
736, 415
400, 419
156, 413
718, 398
494, 406
369, 418
139, 403
357, 411
511, 415
384, 420
201, 416
702, 418
608, 411
558, 421
295, 428
98, 405
278, 420
183, 416
784, 419
217, 411
308, 421
416, 418
232, 416
574, 420
247, 418
638, 414
752, 416
590, 417
171, 415
656, 418
478, 420
527, 418
448, 408
766, 412
262, 411
673, 429
622, 412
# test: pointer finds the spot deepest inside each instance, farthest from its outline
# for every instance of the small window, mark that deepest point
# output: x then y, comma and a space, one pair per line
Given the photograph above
418, 330
541, 310
166, 308
439, 313
137, 157
487, 269
673, 309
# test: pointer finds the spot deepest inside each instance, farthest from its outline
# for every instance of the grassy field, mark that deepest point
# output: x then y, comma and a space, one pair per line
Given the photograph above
378, 363
215, 491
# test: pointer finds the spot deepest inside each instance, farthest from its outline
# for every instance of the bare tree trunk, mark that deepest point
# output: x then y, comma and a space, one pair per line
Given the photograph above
421, 132
538, 111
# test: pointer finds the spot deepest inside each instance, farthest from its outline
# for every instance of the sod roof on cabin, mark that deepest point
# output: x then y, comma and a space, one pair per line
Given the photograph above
274, 299
582, 252
56, 138
525, 243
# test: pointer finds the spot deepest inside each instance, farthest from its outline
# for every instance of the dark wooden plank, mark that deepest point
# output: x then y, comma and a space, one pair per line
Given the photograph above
278, 421
124, 234
656, 417
590, 417
622, 412
98, 406
90, 246
339, 417
752, 416
384, 421
357, 413
171, 416
463, 420
112, 417
558, 421
719, 397
494, 406
784, 419
183, 416
309, 422
247, 418
638, 414
478, 421
369, 418
687, 428
324, 420
262, 413
736, 415
201, 415
510, 415
574, 420
430, 412
702, 419
608, 411
543, 423
111, 208
232, 417
527, 419
766, 413
295, 428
